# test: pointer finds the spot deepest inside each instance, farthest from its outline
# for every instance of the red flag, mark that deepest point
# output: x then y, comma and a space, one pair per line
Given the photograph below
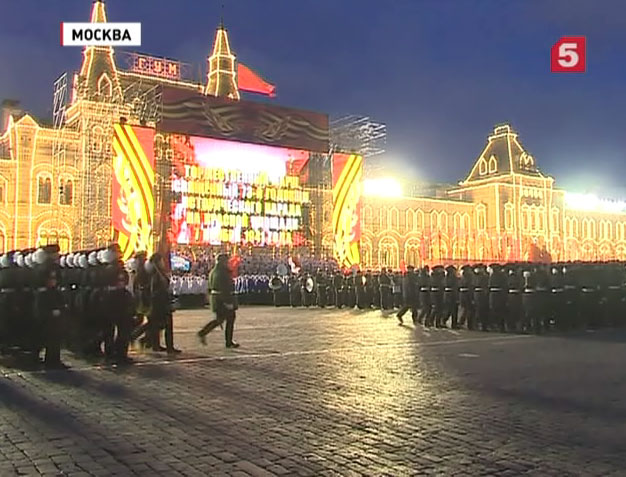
249, 81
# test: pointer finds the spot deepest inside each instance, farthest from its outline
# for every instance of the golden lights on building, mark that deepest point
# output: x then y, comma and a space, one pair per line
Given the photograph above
57, 185
506, 209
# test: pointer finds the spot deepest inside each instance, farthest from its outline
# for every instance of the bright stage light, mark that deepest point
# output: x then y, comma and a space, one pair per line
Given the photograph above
383, 187
593, 203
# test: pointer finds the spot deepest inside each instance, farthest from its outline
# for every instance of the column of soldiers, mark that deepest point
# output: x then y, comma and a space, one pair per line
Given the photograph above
513, 297
82, 301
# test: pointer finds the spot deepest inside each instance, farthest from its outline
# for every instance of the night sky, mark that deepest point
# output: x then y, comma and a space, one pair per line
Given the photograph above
440, 73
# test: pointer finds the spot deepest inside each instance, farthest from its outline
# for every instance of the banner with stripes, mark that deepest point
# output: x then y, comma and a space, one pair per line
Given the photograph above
347, 173
132, 198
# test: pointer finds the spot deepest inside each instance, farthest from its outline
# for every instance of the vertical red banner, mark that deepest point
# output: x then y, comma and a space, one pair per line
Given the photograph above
347, 174
132, 207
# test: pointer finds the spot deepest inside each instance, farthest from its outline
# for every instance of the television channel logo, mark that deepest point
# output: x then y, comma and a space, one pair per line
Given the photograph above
569, 55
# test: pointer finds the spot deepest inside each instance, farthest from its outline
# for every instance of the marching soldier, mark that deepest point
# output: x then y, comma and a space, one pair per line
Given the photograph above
295, 296
451, 297
437, 285
514, 299
350, 290
466, 294
571, 298
497, 295
49, 306
361, 295
423, 283
338, 289
409, 295
557, 297
374, 287
386, 295
481, 297
322, 288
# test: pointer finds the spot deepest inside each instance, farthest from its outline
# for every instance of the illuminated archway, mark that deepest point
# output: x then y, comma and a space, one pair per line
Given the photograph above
412, 252
388, 253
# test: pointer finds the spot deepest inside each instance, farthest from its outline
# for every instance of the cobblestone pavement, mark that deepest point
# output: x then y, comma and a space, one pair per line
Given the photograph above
315, 392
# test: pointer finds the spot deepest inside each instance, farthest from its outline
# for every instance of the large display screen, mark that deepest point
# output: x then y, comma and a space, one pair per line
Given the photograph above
238, 193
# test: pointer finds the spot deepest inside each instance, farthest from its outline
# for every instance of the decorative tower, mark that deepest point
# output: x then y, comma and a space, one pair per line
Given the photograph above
222, 80
98, 76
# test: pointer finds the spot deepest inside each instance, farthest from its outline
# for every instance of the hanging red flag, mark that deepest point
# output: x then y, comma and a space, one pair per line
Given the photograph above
249, 81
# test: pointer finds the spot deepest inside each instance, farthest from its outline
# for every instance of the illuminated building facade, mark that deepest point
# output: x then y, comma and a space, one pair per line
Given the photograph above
107, 167
506, 209
131, 157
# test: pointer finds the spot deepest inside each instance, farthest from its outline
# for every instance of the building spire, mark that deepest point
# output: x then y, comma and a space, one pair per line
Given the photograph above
222, 77
98, 74
98, 12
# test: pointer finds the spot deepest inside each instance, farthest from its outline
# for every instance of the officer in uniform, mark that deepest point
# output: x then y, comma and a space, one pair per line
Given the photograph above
361, 293
466, 302
481, 297
542, 317
423, 283
498, 292
437, 285
451, 297
223, 302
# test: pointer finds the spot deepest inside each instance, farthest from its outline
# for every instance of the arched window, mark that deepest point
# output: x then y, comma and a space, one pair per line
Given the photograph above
568, 227
556, 222
508, 216
434, 216
44, 189
383, 218
525, 217
457, 222
66, 192
608, 230
97, 138
493, 164
465, 222
410, 220
443, 221
393, 218
420, 219
540, 217
482, 167
481, 217
105, 86
3, 190
3, 241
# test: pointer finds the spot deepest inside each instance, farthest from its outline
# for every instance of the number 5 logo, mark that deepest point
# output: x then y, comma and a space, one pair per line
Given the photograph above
569, 55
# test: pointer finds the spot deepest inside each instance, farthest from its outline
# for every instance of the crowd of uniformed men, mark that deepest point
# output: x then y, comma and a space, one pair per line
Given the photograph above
512, 297
94, 304
89, 302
